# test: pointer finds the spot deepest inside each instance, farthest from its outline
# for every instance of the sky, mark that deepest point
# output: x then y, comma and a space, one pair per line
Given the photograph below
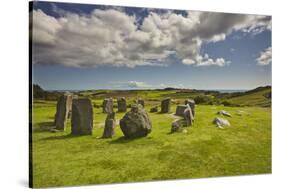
83, 47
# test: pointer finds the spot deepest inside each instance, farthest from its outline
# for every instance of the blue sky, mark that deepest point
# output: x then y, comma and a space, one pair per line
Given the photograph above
102, 47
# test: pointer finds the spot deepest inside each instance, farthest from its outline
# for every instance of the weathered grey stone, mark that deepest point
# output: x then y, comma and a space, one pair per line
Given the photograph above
176, 126
108, 131
191, 103
107, 105
122, 106
63, 111
140, 101
136, 123
220, 122
82, 117
225, 113
154, 109
188, 116
165, 105
180, 109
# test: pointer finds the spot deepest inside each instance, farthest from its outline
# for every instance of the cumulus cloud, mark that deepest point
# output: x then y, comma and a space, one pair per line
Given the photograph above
177, 86
137, 84
110, 37
130, 84
265, 57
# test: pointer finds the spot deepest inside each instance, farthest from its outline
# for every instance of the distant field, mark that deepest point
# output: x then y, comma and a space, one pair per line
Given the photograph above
60, 159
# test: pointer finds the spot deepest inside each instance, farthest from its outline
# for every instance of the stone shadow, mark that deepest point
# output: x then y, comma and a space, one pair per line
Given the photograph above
61, 137
43, 126
122, 140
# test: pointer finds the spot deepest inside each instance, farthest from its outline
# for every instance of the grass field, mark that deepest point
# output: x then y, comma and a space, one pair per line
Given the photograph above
60, 159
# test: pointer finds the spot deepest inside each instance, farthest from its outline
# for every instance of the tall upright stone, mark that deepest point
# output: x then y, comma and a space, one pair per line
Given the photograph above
140, 101
191, 103
121, 103
188, 116
82, 117
107, 105
109, 126
165, 105
63, 111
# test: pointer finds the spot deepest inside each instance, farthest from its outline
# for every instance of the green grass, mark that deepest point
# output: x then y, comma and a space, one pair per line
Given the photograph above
60, 159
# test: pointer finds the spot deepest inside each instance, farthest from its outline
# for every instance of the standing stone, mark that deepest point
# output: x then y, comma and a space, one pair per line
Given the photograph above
136, 123
82, 117
191, 103
63, 110
188, 116
180, 109
165, 105
107, 105
122, 106
140, 101
108, 131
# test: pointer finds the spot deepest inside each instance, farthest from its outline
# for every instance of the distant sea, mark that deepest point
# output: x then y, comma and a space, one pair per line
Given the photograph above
230, 91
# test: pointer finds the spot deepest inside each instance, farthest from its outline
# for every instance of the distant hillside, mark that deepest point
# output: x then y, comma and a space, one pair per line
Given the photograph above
40, 93
260, 96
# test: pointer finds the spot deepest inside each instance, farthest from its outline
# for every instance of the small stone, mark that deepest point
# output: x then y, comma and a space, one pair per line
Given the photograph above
225, 113
154, 109
176, 126
220, 122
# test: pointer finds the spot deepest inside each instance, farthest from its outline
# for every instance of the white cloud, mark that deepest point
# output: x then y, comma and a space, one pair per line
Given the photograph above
265, 57
137, 84
130, 84
111, 37
177, 86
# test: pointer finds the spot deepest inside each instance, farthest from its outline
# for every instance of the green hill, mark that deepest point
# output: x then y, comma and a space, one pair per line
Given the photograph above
260, 96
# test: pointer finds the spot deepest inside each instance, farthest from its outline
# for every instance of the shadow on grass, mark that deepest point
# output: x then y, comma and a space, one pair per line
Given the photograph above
61, 137
122, 140
43, 126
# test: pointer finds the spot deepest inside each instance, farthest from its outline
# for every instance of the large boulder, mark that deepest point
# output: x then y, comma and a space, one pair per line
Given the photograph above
166, 105
191, 103
108, 131
136, 123
121, 104
63, 111
107, 105
82, 117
